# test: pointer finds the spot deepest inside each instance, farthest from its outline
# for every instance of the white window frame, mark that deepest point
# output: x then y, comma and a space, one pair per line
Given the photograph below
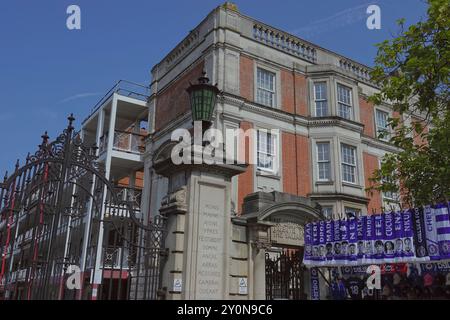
348, 104
323, 99
394, 197
357, 211
272, 91
329, 207
378, 128
275, 155
328, 161
352, 165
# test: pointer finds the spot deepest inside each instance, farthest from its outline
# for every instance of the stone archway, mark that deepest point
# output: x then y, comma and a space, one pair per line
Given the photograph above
276, 227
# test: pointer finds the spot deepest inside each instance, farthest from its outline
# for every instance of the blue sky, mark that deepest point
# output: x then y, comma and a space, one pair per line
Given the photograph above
48, 71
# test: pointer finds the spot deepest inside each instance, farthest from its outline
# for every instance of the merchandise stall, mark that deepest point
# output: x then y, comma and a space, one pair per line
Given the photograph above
392, 255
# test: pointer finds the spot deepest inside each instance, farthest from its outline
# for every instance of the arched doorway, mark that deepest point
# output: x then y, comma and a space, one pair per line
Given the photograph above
285, 276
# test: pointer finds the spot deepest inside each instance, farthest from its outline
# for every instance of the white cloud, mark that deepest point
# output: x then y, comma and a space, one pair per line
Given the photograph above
80, 96
340, 19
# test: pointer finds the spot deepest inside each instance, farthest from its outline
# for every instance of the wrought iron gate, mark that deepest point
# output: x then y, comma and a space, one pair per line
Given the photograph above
65, 233
284, 275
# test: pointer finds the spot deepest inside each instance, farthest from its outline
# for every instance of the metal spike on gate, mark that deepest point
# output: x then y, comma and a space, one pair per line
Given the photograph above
71, 119
45, 138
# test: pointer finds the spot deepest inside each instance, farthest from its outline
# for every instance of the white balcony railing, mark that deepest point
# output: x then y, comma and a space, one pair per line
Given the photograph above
127, 197
115, 258
124, 141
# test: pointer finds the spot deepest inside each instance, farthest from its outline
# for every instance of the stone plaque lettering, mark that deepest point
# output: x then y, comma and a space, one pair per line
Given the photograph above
210, 264
287, 233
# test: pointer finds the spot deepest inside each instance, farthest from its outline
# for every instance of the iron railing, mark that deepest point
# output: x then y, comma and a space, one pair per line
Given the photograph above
115, 258
124, 88
133, 195
124, 141
126, 195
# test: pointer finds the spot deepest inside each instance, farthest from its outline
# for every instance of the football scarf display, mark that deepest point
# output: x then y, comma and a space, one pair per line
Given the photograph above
430, 233
413, 235
419, 235
315, 285
441, 215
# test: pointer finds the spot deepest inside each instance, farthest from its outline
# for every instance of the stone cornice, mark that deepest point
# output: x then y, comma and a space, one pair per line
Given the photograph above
338, 196
379, 144
336, 121
244, 104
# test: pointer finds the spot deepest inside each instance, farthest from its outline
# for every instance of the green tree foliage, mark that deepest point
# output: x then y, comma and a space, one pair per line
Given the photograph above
412, 71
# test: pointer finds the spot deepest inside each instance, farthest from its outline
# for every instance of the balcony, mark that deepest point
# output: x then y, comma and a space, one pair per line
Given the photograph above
116, 258
125, 141
124, 88
17, 276
132, 196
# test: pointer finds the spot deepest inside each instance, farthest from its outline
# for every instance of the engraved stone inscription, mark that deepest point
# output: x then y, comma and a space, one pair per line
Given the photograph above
210, 264
287, 233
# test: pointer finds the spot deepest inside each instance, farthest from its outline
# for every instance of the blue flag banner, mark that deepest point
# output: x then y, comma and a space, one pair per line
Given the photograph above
344, 241
308, 242
352, 240
360, 232
378, 254
315, 241
430, 233
419, 234
336, 241
413, 235
370, 237
389, 237
443, 230
315, 287
398, 232
322, 242
408, 234
435, 267
329, 238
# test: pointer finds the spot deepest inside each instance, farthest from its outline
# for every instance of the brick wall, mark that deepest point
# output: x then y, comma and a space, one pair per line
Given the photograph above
139, 181
367, 118
304, 166
174, 101
246, 77
296, 164
301, 95
287, 91
246, 179
370, 165
289, 163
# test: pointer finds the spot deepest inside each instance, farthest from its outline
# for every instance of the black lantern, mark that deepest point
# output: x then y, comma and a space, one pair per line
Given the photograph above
203, 97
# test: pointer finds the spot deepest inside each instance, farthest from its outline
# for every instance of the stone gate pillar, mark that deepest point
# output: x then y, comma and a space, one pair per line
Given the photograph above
198, 212
259, 242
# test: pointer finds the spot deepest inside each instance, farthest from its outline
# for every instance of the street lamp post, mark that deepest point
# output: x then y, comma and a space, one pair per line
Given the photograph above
203, 97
